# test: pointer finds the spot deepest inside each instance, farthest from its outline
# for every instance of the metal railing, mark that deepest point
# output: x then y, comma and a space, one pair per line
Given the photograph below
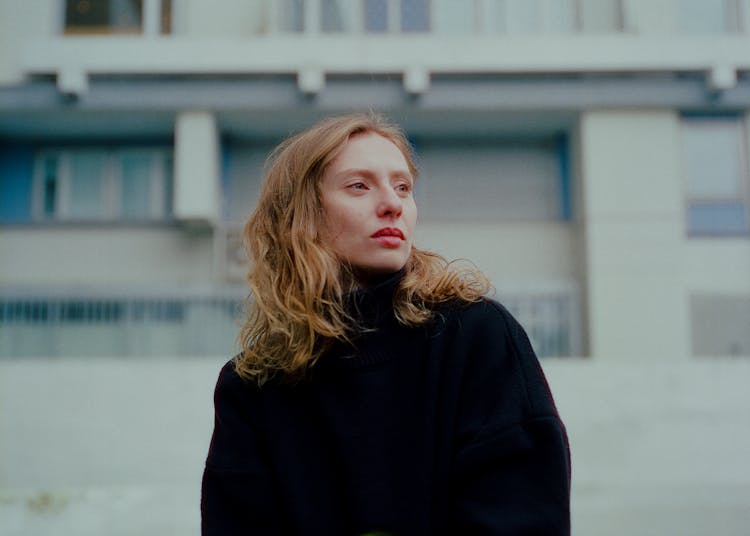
482, 17
207, 323
143, 325
551, 320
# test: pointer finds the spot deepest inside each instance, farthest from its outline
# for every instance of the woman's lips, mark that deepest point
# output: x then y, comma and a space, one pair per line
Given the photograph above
390, 237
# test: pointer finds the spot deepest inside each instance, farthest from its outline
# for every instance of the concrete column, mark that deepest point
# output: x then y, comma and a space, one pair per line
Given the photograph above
634, 234
197, 186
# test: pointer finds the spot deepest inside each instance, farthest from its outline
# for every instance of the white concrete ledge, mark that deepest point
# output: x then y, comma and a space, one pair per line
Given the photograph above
396, 54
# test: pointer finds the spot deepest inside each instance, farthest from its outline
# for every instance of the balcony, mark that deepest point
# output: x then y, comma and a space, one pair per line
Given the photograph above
417, 40
151, 323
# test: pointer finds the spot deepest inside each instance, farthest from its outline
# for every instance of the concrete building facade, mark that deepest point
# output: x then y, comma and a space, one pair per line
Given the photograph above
590, 156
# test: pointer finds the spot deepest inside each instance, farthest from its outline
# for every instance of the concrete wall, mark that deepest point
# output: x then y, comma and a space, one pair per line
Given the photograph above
634, 234
21, 23
67, 256
502, 251
105, 446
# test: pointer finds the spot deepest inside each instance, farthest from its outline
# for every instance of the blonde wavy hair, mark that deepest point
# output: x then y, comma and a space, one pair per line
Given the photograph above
296, 308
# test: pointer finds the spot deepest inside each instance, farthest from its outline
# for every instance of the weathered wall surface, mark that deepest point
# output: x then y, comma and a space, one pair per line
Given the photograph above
94, 447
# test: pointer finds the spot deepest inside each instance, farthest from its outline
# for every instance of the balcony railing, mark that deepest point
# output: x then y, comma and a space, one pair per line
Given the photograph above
71, 324
551, 320
462, 17
375, 17
75, 324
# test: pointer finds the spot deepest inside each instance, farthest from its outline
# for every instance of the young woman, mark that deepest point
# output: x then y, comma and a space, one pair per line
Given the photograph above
377, 390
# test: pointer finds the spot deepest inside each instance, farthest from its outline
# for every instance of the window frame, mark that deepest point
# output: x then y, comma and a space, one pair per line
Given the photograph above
742, 197
550, 153
156, 18
732, 20
307, 18
111, 184
545, 24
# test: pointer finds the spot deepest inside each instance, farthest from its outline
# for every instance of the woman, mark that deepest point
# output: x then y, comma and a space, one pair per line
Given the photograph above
377, 391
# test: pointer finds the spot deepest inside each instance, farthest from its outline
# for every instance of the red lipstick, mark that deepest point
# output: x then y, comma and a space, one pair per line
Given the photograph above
388, 231
390, 237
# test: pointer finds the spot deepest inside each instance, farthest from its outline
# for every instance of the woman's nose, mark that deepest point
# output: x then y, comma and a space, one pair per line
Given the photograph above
390, 204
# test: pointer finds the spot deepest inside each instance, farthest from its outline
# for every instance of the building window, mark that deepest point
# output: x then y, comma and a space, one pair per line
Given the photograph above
102, 185
291, 15
424, 16
376, 16
118, 16
486, 181
368, 16
103, 16
337, 16
532, 16
707, 16
716, 170
415, 16
506, 16
16, 170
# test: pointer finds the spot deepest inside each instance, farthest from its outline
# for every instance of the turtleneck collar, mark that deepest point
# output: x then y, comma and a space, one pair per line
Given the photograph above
377, 336
372, 303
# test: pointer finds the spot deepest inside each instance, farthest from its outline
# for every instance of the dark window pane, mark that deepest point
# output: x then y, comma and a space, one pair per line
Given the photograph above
415, 15
16, 173
87, 188
135, 186
50, 186
291, 15
376, 16
331, 19
86, 13
168, 184
103, 16
717, 218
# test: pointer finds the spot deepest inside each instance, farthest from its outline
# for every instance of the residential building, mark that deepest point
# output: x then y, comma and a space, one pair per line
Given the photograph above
590, 156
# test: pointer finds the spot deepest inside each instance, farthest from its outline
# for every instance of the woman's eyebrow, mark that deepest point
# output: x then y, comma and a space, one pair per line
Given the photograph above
399, 173
349, 172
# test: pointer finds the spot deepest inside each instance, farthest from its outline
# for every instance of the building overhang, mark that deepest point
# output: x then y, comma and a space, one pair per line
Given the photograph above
272, 105
415, 59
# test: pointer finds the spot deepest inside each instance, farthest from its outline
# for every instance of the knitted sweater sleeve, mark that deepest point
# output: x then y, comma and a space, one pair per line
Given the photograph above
237, 489
512, 464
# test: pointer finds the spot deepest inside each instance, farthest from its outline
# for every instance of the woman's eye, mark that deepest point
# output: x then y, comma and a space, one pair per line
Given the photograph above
404, 187
358, 186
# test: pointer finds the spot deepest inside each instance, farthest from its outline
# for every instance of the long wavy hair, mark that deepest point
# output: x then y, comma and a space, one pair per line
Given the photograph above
296, 308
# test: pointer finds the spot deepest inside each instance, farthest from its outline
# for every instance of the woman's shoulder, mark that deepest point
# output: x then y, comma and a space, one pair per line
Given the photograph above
231, 381
485, 311
501, 346
228, 373
484, 328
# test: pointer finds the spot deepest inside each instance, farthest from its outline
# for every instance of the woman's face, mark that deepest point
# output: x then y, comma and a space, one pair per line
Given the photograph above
368, 201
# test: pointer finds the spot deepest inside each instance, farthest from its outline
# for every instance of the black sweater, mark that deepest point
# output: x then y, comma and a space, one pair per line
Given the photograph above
448, 428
